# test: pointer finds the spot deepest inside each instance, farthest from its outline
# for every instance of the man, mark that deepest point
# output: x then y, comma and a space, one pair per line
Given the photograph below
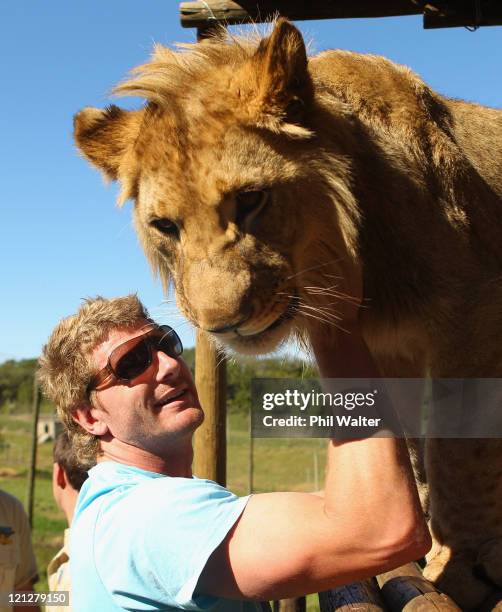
148, 535
68, 476
18, 568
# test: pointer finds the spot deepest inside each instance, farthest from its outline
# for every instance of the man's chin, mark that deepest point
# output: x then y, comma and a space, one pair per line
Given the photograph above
187, 419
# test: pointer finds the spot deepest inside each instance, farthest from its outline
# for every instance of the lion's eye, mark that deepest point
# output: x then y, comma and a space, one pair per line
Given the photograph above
249, 203
166, 226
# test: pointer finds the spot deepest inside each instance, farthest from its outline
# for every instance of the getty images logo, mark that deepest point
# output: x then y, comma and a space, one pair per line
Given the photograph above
313, 399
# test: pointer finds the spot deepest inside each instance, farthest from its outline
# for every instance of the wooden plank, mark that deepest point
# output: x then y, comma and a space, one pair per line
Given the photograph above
405, 589
198, 14
210, 438
356, 597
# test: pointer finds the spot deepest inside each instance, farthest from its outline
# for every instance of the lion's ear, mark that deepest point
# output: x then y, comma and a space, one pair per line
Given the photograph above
284, 84
103, 136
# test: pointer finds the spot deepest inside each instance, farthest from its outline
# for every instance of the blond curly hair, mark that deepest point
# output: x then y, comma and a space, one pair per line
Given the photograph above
65, 367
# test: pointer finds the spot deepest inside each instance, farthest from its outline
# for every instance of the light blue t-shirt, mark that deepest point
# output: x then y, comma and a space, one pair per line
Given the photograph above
140, 540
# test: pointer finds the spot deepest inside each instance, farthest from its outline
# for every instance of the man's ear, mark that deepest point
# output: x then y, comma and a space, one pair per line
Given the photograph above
90, 419
59, 476
284, 84
104, 136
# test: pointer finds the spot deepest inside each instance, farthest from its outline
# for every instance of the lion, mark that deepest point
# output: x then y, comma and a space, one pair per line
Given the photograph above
260, 176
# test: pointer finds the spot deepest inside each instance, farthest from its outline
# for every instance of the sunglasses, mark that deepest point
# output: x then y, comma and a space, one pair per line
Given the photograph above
133, 357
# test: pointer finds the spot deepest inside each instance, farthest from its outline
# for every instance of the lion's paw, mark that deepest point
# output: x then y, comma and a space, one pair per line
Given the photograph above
455, 575
490, 560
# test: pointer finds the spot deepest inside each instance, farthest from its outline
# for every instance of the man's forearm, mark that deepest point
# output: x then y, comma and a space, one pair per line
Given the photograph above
370, 488
369, 482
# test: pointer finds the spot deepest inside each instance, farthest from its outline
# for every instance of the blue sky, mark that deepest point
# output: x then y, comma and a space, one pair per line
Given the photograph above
61, 236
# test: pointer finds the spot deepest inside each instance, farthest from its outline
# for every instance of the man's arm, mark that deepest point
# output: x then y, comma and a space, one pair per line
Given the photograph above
368, 521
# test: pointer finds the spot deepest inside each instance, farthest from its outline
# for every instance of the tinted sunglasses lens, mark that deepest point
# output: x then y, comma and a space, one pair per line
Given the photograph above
132, 362
169, 342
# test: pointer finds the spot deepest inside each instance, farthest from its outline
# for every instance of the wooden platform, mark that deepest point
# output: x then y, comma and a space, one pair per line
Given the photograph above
401, 590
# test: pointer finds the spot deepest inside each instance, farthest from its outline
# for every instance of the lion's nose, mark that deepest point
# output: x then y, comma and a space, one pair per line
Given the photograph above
225, 329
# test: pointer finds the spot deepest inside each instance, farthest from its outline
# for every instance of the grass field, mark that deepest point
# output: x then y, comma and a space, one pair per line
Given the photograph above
278, 465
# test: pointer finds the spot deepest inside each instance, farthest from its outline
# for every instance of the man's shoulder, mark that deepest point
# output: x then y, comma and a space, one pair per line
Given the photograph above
115, 493
10, 507
58, 571
113, 489
10, 500
111, 477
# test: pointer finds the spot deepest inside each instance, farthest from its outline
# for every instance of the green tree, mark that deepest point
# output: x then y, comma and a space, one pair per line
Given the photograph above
16, 382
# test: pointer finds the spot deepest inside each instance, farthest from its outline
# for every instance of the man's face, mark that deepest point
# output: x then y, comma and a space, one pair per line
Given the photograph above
155, 409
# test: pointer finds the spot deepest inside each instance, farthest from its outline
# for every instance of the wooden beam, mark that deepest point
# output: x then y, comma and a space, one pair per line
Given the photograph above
406, 590
210, 456
359, 596
197, 14
208, 31
462, 13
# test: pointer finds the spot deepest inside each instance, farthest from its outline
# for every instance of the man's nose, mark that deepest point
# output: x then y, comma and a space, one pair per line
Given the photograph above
169, 367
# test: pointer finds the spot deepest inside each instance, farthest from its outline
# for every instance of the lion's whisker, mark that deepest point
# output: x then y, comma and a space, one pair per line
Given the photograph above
320, 319
221, 357
316, 267
327, 314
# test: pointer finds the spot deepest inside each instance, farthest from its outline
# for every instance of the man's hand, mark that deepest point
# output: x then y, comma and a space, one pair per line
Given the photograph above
339, 349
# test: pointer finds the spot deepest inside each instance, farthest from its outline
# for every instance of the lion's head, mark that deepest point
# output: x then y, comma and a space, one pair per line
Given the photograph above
236, 199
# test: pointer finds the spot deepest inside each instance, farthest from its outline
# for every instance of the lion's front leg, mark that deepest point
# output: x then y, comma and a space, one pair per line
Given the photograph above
465, 478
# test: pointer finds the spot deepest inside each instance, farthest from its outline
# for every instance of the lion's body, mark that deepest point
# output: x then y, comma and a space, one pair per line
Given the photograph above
431, 241
356, 161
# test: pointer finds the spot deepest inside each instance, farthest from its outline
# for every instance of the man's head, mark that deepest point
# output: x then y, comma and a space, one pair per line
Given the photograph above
68, 475
144, 411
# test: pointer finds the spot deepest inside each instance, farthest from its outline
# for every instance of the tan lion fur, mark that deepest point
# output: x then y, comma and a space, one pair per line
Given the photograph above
361, 164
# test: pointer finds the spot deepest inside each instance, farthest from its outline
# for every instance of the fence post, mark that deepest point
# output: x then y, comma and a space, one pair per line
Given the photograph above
297, 604
210, 456
33, 456
251, 452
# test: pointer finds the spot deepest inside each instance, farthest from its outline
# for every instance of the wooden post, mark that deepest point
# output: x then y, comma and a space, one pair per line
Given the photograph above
297, 604
361, 596
250, 453
33, 455
198, 14
406, 590
210, 439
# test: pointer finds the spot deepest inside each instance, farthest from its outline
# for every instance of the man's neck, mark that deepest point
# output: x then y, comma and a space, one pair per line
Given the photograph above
176, 462
68, 503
